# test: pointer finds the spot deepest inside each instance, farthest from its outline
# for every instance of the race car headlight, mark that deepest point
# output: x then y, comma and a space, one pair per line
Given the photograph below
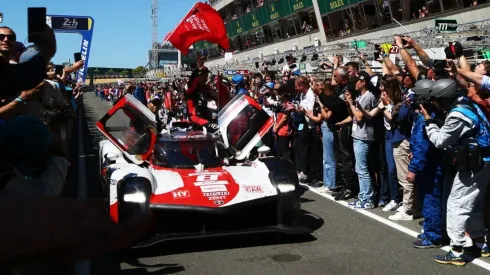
137, 197
285, 188
134, 196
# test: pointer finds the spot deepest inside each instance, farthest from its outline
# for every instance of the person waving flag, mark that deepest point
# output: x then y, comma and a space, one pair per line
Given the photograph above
202, 22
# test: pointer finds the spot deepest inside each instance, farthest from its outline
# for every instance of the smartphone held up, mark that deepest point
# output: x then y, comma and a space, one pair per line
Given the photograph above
36, 23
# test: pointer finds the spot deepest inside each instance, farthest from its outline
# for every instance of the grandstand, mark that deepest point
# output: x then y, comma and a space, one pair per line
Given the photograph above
169, 60
267, 30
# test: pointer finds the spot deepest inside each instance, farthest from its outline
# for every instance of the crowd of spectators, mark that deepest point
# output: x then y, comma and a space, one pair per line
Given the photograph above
398, 140
38, 101
390, 140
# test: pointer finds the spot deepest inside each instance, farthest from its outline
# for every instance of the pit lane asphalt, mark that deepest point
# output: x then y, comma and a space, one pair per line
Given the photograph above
343, 241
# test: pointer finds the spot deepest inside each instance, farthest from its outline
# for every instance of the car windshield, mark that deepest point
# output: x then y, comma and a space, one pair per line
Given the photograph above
186, 154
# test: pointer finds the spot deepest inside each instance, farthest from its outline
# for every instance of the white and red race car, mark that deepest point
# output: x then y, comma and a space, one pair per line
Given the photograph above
189, 182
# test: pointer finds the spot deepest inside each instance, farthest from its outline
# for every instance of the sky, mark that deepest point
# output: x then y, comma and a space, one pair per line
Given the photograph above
122, 29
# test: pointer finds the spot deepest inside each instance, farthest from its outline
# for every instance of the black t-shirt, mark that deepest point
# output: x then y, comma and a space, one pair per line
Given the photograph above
337, 106
316, 109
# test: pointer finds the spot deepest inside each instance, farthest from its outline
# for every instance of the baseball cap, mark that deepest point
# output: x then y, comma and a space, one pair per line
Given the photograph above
156, 98
364, 76
29, 53
269, 85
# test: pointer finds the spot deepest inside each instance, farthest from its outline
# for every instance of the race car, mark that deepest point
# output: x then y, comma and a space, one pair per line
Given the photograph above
190, 182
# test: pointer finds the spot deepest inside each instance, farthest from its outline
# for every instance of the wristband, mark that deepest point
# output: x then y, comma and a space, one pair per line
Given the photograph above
429, 121
20, 100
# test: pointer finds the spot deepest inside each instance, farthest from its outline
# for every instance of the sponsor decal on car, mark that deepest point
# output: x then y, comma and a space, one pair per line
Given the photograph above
181, 194
217, 198
209, 180
219, 202
253, 189
189, 137
205, 173
210, 194
218, 182
213, 188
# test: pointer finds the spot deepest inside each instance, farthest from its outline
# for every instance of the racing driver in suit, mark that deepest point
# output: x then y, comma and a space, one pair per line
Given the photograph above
197, 96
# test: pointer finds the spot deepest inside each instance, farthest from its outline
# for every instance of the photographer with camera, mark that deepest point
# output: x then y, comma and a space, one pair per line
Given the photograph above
425, 169
465, 135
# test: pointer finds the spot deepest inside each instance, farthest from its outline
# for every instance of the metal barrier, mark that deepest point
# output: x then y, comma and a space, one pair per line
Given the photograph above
83, 267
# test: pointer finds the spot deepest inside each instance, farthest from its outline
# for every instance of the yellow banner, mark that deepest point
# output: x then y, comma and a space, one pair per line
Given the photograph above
386, 47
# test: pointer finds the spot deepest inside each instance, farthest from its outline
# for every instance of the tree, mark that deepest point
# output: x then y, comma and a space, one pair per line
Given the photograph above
139, 70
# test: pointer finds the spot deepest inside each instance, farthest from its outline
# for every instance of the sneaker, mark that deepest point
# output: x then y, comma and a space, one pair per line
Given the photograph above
421, 236
318, 184
485, 251
328, 190
392, 206
401, 216
336, 189
355, 203
324, 189
302, 177
344, 194
365, 205
424, 243
450, 258
382, 203
400, 208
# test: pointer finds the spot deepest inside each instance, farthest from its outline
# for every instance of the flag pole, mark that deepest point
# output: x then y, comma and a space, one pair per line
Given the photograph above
187, 14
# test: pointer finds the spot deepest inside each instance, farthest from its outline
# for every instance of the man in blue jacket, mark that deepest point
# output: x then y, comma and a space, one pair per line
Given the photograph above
139, 93
425, 170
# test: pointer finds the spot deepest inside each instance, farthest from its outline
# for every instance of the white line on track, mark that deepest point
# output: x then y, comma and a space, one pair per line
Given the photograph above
391, 224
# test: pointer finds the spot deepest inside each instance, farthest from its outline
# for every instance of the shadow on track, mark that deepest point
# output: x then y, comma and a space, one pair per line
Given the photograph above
161, 269
132, 257
226, 242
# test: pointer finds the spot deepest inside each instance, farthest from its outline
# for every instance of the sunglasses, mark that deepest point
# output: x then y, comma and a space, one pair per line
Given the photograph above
10, 37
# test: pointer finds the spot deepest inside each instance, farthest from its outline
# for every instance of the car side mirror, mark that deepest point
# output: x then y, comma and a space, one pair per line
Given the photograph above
263, 151
112, 157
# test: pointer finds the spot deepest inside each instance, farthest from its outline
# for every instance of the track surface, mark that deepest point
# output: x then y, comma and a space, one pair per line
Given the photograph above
344, 242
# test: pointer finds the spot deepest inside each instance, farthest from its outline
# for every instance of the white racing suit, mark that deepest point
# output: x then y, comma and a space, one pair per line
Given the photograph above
465, 202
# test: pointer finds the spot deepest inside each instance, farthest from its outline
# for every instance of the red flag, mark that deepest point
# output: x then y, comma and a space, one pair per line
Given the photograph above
201, 23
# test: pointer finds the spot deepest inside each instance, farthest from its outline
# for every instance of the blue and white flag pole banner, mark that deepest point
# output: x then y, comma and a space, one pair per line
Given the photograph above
83, 25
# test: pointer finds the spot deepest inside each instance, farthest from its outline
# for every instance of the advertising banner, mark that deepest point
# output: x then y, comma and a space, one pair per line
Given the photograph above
328, 6
297, 5
83, 25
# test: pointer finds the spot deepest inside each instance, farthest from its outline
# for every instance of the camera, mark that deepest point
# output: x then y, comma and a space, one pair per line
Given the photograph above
277, 107
420, 100
403, 40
